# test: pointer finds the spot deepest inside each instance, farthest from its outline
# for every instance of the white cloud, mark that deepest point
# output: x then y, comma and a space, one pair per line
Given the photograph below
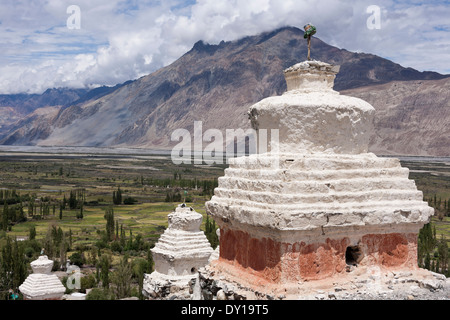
122, 40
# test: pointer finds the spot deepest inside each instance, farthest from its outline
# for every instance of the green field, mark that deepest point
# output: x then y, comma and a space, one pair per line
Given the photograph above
147, 179
48, 179
144, 218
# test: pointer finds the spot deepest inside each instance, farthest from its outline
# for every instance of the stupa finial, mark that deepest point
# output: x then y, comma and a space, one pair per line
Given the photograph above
310, 30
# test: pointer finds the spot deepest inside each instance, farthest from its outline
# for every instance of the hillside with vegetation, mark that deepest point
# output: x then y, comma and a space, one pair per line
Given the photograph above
104, 216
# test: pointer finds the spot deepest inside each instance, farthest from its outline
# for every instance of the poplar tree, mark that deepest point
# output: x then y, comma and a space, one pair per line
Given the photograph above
210, 232
81, 210
32, 235
72, 200
117, 196
443, 252
5, 216
13, 267
104, 265
109, 216
19, 270
70, 238
30, 208
121, 278
426, 243
122, 236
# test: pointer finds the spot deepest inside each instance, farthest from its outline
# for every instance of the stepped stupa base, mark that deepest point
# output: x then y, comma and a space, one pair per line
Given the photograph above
42, 287
304, 217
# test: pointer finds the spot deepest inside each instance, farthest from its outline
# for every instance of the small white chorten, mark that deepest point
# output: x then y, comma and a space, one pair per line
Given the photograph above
180, 251
41, 284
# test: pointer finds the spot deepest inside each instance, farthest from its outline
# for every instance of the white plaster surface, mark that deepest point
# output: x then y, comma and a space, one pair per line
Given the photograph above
42, 285
316, 122
309, 76
42, 265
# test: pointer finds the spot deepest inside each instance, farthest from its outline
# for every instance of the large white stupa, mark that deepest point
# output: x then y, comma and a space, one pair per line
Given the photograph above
317, 201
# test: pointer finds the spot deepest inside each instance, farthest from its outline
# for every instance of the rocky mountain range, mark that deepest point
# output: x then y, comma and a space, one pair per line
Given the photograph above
216, 84
412, 117
14, 107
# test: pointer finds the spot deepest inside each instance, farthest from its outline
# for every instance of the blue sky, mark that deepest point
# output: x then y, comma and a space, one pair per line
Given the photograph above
119, 40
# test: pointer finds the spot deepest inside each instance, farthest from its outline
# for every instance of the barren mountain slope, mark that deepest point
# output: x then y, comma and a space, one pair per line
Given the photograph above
214, 84
33, 126
412, 117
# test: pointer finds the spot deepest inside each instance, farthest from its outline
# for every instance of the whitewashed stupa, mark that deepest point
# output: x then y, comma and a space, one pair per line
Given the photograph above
42, 284
317, 201
180, 251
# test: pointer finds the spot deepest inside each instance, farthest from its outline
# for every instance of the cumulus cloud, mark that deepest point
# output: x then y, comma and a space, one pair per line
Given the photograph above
119, 40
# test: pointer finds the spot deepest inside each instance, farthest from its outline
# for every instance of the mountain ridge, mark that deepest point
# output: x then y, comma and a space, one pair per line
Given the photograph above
214, 84
411, 117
